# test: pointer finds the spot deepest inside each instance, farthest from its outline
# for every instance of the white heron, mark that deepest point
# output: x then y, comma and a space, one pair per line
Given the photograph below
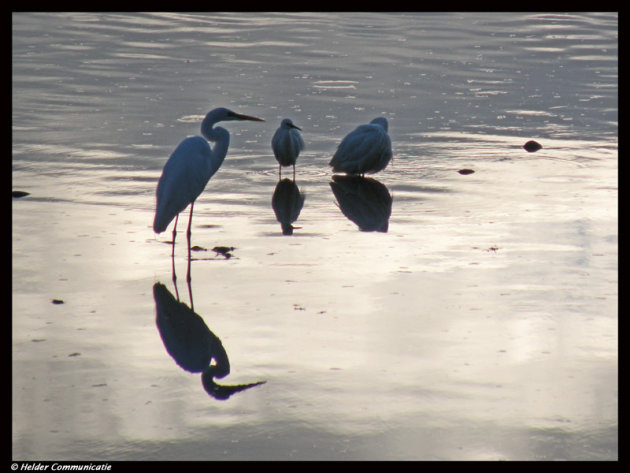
189, 169
366, 149
287, 144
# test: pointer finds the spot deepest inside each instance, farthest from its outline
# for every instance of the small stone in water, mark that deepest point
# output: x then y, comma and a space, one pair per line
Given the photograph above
532, 146
57, 301
19, 194
466, 171
224, 250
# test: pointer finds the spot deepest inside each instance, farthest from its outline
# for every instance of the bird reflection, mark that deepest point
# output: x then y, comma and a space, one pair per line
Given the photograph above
192, 345
365, 201
287, 203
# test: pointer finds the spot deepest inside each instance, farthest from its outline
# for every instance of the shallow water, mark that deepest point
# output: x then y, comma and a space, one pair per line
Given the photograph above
476, 319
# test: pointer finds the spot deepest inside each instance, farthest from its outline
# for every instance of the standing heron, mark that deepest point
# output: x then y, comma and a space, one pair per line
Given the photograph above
366, 149
287, 144
189, 169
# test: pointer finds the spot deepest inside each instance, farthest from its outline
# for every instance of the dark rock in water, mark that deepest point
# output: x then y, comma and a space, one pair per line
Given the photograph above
57, 301
532, 146
224, 250
466, 171
198, 248
17, 194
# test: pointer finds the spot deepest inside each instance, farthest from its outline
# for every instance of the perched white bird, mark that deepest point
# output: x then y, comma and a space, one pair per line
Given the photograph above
190, 167
366, 149
287, 144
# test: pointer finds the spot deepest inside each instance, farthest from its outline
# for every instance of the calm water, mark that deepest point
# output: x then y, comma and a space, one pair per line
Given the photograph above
473, 318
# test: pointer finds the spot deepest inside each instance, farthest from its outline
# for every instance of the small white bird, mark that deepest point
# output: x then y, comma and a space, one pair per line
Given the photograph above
287, 144
189, 169
366, 149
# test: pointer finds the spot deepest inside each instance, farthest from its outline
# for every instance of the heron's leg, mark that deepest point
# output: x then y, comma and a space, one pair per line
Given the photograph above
174, 276
293, 171
188, 278
174, 234
192, 204
192, 304
188, 233
279, 171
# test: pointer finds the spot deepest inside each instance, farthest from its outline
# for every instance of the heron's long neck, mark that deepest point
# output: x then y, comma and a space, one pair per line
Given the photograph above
221, 139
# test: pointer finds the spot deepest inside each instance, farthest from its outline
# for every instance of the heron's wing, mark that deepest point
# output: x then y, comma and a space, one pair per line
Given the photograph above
276, 143
286, 145
297, 139
360, 149
184, 177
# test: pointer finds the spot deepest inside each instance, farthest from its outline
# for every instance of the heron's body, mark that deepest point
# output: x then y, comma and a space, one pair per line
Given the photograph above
367, 149
184, 178
287, 143
190, 167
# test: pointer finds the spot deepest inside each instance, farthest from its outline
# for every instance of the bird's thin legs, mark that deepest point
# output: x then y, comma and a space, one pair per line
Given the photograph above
174, 235
188, 277
174, 276
188, 233
293, 172
192, 204
192, 304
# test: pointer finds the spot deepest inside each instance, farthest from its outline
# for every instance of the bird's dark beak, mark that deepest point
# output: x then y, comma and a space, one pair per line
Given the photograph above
296, 127
247, 117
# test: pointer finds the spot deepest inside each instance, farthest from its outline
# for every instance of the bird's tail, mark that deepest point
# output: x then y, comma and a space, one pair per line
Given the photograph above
160, 223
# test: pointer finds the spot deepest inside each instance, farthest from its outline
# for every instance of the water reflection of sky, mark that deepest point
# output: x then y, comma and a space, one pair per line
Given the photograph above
480, 325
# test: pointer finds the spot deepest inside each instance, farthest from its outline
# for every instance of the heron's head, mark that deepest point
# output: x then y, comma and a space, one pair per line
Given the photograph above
288, 123
223, 114
380, 121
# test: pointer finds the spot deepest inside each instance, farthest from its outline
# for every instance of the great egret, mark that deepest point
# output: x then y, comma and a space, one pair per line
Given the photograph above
287, 144
189, 169
366, 149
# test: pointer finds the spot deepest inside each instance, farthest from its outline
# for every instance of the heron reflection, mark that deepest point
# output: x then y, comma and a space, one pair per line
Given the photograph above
287, 202
192, 345
364, 201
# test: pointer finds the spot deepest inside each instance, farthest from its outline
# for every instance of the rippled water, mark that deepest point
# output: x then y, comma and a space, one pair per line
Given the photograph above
473, 318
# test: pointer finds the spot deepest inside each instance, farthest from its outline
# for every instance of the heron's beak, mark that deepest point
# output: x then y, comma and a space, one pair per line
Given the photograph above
296, 127
247, 117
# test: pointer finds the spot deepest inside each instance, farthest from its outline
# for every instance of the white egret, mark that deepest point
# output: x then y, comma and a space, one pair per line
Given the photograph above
287, 144
189, 169
366, 149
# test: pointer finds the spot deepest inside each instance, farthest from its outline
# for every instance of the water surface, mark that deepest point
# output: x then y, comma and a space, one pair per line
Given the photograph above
472, 317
